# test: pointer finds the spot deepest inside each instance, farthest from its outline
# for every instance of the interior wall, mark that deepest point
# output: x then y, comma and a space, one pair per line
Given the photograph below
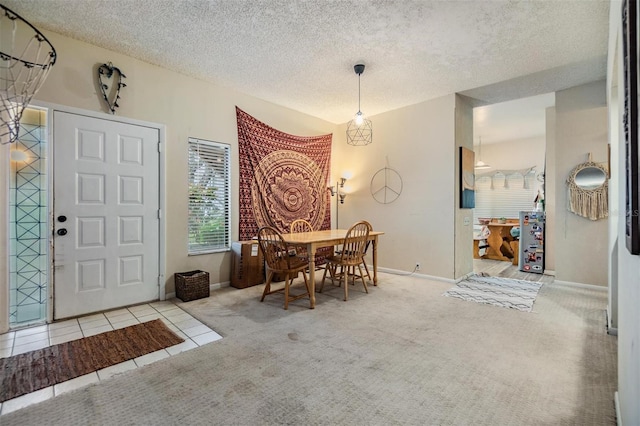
550, 204
581, 128
628, 266
516, 155
463, 233
419, 142
189, 108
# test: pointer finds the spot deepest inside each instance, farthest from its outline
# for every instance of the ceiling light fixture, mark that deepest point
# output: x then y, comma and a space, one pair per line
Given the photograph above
481, 165
359, 130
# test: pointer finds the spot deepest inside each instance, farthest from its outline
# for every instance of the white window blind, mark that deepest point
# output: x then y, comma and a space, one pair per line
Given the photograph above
209, 193
494, 199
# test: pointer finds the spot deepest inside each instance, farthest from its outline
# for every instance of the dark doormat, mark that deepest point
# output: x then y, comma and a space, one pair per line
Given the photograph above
31, 371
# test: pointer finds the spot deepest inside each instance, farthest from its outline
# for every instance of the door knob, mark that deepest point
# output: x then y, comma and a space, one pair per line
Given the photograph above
62, 218
62, 231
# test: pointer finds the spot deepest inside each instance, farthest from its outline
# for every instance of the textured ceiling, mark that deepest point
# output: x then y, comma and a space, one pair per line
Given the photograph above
300, 54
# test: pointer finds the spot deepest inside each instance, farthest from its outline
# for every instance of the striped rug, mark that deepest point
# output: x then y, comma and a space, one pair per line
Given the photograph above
497, 291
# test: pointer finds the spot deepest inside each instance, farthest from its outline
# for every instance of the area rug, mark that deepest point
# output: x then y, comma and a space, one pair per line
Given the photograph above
497, 291
30, 371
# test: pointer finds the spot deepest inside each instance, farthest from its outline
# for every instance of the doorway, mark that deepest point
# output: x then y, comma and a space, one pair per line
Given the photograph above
106, 214
510, 137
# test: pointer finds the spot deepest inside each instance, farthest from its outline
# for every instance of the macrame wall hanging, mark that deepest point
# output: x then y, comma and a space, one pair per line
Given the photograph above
526, 174
588, 191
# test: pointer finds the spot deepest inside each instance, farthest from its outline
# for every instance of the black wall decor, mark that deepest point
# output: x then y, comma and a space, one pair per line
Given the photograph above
630, 122
110, 82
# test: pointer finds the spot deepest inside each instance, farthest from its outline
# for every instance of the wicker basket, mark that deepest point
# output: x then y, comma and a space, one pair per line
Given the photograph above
192, 285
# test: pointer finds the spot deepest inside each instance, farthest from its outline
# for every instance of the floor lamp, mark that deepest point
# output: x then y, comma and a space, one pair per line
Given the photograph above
335, 190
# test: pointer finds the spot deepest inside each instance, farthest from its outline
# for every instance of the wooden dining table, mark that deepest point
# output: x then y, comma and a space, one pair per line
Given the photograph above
498, 241
330, 237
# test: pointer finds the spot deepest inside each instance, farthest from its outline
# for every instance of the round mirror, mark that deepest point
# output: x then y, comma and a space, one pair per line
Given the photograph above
590, 178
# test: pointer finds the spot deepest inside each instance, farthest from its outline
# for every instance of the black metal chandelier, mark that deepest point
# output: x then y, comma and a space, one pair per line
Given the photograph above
359, 130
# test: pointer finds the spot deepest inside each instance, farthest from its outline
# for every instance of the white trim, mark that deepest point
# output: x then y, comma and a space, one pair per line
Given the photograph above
581, 285
4, 280
162, 288
616, 402
549, 272
612, 331
51, 108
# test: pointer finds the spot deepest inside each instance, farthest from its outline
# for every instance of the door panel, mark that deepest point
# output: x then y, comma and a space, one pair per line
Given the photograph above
106, 180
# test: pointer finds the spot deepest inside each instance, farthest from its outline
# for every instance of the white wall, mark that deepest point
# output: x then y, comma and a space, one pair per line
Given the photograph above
550, 180
581, 245
419, 141
628, 267
515, 155
463, 232
188, 107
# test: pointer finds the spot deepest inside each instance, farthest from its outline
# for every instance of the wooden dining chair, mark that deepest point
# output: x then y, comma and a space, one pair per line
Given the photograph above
364, 261
301, 225
350, 257
279, 261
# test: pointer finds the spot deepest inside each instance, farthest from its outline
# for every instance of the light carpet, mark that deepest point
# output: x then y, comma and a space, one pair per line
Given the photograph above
497, 291
400, 355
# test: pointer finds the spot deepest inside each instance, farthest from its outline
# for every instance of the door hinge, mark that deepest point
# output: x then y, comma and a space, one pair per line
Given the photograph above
159, 279
159, 214
159, 146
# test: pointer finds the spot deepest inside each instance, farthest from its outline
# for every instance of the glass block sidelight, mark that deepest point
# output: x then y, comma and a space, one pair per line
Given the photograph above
28, 235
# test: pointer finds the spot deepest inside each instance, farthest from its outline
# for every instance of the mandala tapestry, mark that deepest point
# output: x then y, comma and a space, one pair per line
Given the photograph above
282, 178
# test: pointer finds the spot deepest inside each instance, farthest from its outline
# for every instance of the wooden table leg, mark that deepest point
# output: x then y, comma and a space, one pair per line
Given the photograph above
375, 260
495, 240
311, 251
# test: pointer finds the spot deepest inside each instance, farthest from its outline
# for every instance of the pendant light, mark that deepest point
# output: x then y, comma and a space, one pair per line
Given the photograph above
481, 165
359, 130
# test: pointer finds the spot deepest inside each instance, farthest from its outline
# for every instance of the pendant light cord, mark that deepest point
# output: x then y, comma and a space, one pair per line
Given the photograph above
359, 92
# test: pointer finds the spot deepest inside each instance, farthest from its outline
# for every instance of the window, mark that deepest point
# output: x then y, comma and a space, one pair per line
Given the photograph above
209, 204
504, 196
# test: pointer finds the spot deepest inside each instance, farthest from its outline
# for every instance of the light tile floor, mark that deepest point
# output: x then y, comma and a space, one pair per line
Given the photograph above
184, 325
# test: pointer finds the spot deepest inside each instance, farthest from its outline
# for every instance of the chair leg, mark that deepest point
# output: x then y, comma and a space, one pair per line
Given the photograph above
287, 281
345, 274
362, 278
367, 270
324, 276
306, 283
267, 286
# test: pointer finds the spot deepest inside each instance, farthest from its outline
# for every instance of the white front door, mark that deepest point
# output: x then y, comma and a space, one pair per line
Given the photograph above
106, 202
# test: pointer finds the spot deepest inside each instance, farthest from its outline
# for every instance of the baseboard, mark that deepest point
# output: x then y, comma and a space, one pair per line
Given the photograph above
581, 285
616, 402
612, 331
549, 272
216, 286
406, 274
